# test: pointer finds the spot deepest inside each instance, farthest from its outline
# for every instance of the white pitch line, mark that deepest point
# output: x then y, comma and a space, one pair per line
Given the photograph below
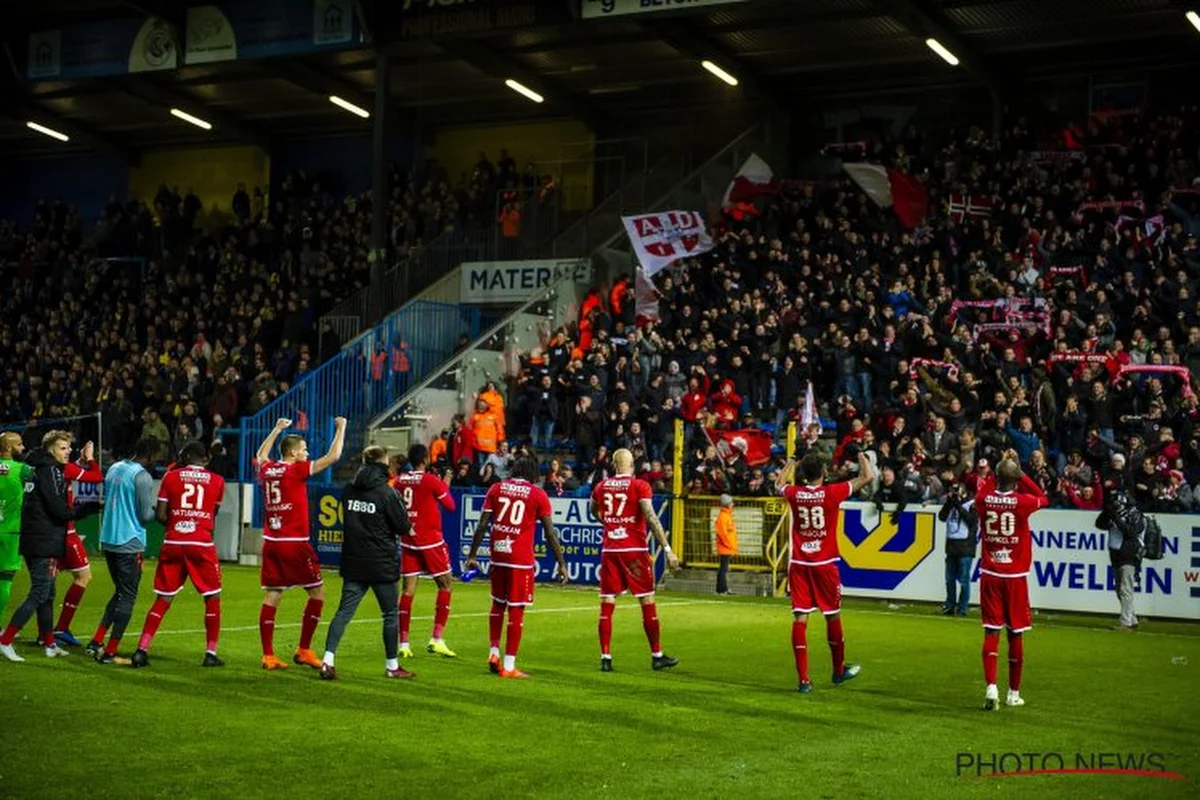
376, 620
668, 604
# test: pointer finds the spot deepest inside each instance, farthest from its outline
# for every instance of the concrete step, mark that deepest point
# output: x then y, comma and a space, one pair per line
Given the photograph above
704, 581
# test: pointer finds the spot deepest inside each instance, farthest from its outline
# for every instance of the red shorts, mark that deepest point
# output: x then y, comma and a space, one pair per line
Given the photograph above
512, 586
1004, 603
432, 561
623, 571
289, 564
178, 562
817, 587
76, 557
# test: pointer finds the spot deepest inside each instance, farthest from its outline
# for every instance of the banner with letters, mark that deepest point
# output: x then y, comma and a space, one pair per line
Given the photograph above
599, 9
579, 532
514, 282
1071, 570
659, 239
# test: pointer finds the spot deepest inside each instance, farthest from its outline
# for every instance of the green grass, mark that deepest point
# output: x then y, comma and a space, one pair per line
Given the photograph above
726, 723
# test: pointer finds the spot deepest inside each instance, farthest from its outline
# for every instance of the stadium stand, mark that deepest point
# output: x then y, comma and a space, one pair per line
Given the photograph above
224, 318
1051, 266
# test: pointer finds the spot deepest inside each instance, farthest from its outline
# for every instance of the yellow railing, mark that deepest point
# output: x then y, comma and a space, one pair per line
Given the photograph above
761, 522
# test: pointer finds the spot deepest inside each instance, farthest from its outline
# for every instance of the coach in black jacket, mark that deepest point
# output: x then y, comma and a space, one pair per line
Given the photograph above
44, 518
375, 519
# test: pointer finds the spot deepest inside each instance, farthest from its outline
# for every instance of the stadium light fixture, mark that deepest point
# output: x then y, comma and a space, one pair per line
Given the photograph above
186, 117
720, 73
1194, 18
348, 106
524, 90
42, 129
940, 49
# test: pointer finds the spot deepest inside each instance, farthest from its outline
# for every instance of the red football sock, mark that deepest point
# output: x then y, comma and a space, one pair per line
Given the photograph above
312, 618
406, 601
441, 613
1016, 660
495, 623
9, 635
111, 647
101, 632
70, 604
212, 622
651, 627
991, 648
153, 620
800, 648
266, 628
516, 624
48, 639
837, 642
605, 627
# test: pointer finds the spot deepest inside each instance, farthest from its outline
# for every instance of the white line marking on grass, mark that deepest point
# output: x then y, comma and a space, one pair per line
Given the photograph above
377, 620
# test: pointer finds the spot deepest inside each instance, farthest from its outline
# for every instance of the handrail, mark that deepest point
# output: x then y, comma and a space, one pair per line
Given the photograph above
776, 552
457, 360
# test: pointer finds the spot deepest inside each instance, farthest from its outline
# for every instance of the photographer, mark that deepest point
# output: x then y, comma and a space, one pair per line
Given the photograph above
1125, 524
962, 529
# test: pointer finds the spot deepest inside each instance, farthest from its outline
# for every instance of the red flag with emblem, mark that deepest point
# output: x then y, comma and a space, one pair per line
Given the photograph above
755, 445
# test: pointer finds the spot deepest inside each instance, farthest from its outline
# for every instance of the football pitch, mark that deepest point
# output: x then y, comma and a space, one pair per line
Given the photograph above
727, 722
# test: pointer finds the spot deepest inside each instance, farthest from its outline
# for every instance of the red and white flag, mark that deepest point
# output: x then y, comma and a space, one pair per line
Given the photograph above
754, 179
901, 192
964, 206
809, 415
755, 445
646, 298
660, 239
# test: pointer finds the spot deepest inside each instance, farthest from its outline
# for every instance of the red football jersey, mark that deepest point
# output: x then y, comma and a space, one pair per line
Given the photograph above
72, 472
424, 495
192, 495
814, 521
618, 504
285, 492
516, 506
1004, 527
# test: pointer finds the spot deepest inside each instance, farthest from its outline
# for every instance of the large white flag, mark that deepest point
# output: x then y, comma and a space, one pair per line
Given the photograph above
661, 238
809, 415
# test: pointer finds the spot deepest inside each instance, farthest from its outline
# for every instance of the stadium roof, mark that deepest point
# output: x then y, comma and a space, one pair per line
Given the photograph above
785, 53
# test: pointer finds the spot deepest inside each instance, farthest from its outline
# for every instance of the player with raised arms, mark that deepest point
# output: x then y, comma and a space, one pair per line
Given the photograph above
624, 505
288, 557
1005, 502
423, 549
813, 578
188, 500
511, 510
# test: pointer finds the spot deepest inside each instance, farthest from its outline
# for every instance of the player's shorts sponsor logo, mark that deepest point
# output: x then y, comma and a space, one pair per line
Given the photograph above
877, 554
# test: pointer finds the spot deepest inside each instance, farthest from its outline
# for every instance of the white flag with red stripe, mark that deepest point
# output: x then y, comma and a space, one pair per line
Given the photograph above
754, 179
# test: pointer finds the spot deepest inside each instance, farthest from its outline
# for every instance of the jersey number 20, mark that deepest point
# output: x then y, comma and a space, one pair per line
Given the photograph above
1002, 523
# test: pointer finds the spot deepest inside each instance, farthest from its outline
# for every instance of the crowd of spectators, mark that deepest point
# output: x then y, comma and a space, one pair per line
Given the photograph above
1088, 235
186, 327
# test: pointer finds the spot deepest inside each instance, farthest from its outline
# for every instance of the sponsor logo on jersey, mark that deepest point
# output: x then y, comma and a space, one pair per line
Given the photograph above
877, 554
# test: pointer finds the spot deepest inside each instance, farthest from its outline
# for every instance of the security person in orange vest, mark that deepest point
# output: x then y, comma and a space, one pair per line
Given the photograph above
727, 544
488, 430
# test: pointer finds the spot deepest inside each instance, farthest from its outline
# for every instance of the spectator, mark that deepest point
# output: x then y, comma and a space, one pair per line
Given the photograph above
487, 429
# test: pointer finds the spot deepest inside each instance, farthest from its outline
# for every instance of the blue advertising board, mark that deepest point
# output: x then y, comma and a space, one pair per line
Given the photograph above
579, 532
